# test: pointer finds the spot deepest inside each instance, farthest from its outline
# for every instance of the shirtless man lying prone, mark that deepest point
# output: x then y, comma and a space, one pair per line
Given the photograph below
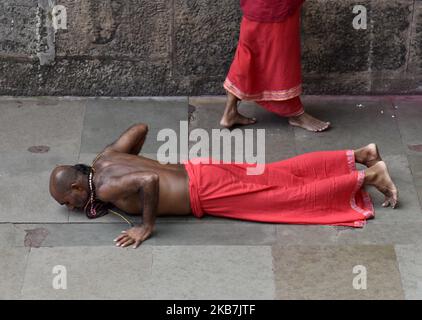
314, 188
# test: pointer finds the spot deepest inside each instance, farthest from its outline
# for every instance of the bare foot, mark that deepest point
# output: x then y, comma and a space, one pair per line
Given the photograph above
308, 122
368, 155
379, 177
231, 116
235, 118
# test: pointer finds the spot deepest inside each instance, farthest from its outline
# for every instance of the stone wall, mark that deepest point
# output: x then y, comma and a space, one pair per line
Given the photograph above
184, 47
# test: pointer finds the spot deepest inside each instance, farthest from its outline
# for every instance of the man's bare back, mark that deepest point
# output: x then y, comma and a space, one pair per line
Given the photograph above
112, 167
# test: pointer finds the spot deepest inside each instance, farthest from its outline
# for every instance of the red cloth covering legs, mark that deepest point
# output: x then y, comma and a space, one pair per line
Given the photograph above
314, 188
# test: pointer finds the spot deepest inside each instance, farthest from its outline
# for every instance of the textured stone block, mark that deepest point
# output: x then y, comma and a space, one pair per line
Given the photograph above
390, 28
333, 84
18, 78
136, 30
18, 27
105, 77
415, 57
205, 35
401, 83
329, 41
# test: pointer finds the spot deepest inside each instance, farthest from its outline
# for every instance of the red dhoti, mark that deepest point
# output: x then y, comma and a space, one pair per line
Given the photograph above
267, 65
314, 188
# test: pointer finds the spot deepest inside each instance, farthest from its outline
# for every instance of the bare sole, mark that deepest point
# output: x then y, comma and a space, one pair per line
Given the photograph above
383, 182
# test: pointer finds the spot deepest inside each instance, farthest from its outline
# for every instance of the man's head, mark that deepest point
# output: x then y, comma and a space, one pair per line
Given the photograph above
69, 186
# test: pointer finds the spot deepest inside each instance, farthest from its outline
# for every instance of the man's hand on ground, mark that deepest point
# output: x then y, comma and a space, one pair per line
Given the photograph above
135, 236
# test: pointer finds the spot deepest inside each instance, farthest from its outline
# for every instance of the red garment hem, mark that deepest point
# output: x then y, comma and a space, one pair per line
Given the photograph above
280, 95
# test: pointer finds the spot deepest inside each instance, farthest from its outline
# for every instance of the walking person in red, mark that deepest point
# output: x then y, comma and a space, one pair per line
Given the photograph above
267, 64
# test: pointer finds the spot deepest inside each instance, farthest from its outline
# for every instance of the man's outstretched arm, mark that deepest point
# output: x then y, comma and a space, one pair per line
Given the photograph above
146, 186
131, 141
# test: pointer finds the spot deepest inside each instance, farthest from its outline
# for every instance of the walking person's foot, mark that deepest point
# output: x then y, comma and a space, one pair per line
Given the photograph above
368, 155
231, 116
308, 122
379, 177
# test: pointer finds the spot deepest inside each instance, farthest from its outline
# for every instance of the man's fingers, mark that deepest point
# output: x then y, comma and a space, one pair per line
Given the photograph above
122, 240
127, 243
120, 237
137, 244
394, 203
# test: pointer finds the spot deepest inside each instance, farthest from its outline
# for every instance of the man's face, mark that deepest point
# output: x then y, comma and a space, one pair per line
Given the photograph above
75, 199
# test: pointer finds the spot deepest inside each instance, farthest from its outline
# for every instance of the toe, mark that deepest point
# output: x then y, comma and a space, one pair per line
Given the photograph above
393, 203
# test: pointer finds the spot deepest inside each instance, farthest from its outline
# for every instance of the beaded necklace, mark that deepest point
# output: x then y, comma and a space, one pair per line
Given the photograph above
93, 210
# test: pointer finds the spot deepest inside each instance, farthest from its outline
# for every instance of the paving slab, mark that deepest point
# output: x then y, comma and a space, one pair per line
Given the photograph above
408, 111
15, 163
32, 122
288, 234
91, 272
212, 272
193, 272
326, 272
410, 264
56, 123
208, 233
70, 235
105, 120
372, 233
166, 234
7, 235
415, 162
377, 234
381, 233
12, 264
352, 126
26, 198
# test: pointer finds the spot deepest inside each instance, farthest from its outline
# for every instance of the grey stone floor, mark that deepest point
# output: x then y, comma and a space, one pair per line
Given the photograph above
209, 258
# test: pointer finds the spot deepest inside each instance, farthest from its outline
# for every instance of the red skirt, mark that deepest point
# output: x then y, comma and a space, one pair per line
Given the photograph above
267, 64
314, 188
